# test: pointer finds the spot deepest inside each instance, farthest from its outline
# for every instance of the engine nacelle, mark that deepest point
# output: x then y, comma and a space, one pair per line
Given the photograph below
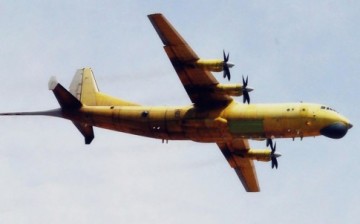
263, 155
232, 89
213, 65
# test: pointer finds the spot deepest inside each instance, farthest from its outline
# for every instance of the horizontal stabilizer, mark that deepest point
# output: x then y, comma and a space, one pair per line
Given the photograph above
65, 98
68, 101
86, 130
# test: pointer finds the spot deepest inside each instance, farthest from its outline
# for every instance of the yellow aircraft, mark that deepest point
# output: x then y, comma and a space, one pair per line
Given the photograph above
214, 116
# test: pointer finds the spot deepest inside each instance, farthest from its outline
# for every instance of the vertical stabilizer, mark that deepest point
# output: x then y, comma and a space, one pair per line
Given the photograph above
84, 88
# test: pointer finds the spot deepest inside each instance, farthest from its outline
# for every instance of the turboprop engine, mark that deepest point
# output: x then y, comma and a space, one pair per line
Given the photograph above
263, 155
232, 89
236, 89
216, 65
213, 65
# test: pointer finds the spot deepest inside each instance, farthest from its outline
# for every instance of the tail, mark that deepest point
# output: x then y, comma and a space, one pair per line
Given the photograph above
84, 91
69, 102
84, 88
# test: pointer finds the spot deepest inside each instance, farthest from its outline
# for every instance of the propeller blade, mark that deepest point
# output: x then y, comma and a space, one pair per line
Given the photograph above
273, 156
246, 97
245, 81
226, 69
226, 56
269, 142
245, 91
226, 72
274, 163
273, 149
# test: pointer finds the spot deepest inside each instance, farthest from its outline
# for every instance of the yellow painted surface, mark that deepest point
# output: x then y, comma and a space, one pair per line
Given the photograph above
254, 121
214, 65
214, 116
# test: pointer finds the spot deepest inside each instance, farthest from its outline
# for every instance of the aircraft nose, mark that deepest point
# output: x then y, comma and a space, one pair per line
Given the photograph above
336, 130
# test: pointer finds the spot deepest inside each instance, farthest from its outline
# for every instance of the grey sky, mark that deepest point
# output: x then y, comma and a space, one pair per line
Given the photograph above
304, 51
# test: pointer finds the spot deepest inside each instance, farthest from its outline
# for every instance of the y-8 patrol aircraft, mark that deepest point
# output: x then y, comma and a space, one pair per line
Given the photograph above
214, 116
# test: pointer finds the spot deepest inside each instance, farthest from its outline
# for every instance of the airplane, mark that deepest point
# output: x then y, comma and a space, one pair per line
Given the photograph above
213, 115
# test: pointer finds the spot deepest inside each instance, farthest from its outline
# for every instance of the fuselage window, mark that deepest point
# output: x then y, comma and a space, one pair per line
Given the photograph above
144, 114
328, 108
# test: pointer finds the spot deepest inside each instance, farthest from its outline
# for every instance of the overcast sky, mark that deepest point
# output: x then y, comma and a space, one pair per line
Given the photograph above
306, 51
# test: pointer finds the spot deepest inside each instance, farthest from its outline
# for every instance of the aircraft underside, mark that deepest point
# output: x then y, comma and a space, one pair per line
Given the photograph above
214, 115
188, 123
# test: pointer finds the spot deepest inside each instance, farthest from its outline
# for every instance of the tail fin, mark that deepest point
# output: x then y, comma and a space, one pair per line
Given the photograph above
83, 91
84, 88
68, 101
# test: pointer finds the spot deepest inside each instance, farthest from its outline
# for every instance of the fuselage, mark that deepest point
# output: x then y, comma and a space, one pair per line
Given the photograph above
236, 120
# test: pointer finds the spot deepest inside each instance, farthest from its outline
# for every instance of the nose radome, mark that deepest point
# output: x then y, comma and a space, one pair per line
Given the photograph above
336, 130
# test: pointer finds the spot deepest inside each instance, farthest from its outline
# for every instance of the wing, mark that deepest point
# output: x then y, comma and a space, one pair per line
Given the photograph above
244, 167
198, 83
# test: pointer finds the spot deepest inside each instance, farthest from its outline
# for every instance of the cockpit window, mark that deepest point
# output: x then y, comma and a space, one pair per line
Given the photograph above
327, 108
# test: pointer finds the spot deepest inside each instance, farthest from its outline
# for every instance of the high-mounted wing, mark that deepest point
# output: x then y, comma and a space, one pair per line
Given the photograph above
244, 167
199, 83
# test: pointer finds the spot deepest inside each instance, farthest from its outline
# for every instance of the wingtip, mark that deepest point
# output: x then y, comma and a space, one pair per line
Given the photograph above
154, 14
52, 83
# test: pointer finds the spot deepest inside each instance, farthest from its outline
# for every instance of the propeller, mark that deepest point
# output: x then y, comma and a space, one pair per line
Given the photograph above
226, 65
273, 155
274, 162
245, 91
